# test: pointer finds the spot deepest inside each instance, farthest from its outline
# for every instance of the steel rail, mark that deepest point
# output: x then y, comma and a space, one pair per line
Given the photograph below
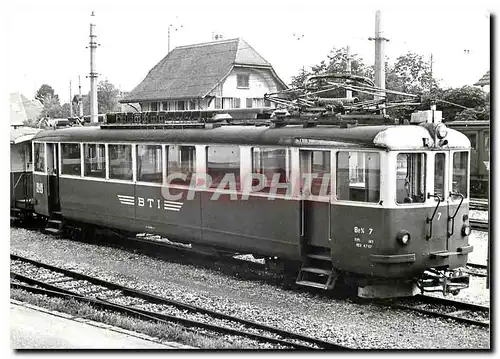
461, 306
157, 299
479, 224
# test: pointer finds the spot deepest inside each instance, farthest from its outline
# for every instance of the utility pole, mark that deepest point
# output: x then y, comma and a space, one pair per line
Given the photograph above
70, 101
94, 118
80, 99
379, 55
430, 86
348, 93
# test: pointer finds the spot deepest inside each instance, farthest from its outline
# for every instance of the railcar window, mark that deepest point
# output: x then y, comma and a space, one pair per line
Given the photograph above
181, 164
270, 169
70, 159
149, 163
472, 138
439, 173
358, 176
487, 141
39, 157
460, 172
223, 163
410, 178
94, 160
315, 172
120, 162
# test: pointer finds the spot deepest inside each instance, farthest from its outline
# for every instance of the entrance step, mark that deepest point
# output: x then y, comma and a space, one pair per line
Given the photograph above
317, 270
322, 257
52, 230
307, 283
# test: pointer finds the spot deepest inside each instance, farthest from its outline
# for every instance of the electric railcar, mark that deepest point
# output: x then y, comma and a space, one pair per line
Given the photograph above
478, 133
382, 207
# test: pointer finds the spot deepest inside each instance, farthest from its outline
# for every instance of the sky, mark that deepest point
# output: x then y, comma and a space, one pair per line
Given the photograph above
47, 41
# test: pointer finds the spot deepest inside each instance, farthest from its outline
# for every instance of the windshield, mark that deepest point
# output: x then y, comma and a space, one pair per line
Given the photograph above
460, 172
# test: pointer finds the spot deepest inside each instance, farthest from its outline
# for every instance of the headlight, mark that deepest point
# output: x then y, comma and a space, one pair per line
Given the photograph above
403, 237
441, 131
466, 230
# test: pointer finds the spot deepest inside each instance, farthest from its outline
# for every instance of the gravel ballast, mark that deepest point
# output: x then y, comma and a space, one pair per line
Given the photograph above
341, 321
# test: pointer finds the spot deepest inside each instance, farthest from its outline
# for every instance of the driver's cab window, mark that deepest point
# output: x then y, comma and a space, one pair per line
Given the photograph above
460, 173
410, 178
439, 174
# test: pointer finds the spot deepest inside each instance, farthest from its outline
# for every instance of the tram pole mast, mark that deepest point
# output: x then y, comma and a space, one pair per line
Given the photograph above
379, 56
348, 93
70, 101
80, 99
93, 74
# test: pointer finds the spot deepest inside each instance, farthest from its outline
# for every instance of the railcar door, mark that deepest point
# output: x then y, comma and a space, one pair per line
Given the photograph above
437, 231
315, 186
53, 176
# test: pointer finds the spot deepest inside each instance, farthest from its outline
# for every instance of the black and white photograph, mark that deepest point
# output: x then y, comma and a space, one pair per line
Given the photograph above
250, 177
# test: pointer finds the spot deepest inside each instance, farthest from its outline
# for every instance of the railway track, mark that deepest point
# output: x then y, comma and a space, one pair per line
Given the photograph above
479, 224
38, 277
471, 314
479, 204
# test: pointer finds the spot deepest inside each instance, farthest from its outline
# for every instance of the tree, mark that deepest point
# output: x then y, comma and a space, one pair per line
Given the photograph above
452, 102
43, 91
107, 97
51, 107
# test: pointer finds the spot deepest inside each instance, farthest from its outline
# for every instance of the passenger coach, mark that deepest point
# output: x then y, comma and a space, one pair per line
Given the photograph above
385, 207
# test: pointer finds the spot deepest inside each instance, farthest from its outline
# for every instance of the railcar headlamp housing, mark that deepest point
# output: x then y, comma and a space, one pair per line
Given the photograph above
403, 237
466, 230
441, 131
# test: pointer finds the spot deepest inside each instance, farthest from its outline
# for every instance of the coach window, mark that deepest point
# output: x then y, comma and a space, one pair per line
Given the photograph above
270, 168
149, 163
39, 157
181, 164
439, 174
487, 141
223, 162
316, 165
120, 162
70, 159
410, 178
94, 160
460, 172
358, 176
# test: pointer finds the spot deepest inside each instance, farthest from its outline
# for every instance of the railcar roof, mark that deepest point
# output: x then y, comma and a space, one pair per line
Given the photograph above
389, 137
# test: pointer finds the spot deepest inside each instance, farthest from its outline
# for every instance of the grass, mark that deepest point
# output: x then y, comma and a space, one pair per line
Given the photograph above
163, 331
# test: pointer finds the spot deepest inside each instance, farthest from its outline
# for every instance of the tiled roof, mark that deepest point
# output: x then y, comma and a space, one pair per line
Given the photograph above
484, 81
23, 133
193, 71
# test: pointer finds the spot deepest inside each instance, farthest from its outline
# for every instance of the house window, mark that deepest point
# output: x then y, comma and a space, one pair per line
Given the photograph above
218, 103
249, 102
180, 105
192, 104
165, 106
242, 81
267, 103
258, 102
154, 106
231, 102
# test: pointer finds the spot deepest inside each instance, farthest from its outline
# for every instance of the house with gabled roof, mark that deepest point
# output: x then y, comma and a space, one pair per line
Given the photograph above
484, 82
226, 75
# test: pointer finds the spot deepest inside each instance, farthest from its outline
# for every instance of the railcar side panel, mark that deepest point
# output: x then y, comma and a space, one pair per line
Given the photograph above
98, 202
175, 214
257, 225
